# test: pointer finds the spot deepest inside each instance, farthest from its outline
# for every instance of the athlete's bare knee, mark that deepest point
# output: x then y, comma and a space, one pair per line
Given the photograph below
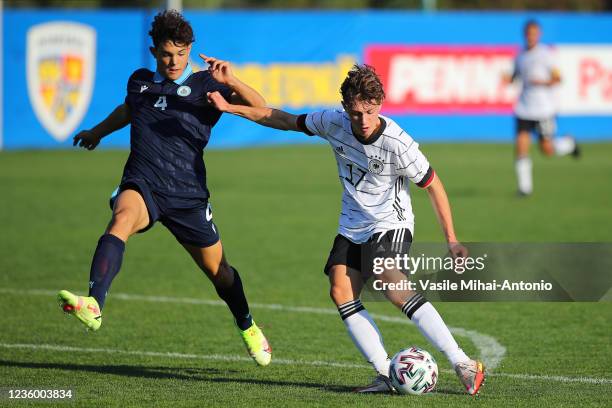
124, 219
124, 222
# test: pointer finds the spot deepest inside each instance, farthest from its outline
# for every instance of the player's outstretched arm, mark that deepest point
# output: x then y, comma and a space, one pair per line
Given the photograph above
242, 94
265, 116
89, 139
509, 77
439, 201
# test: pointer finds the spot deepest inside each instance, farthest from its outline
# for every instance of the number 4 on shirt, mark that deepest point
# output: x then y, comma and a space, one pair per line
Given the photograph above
161, 103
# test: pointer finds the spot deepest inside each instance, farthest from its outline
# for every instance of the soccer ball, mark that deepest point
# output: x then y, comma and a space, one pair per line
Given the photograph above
413, 371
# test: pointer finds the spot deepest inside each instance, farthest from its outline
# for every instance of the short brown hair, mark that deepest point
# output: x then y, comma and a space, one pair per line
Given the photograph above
362, 83
169, 25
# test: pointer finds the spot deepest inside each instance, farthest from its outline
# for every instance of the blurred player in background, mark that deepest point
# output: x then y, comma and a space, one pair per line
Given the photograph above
164, 178
376, 161
536, 107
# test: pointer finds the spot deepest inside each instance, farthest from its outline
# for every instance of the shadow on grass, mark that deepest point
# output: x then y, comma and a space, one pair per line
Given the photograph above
177, 373
448, 391
125, 370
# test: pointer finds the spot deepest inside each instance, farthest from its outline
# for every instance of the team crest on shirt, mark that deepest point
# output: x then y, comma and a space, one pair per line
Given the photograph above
183, 91
375, 165
60, 74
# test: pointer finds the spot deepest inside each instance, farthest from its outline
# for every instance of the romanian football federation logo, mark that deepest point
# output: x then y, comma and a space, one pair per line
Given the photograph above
60, 73
184, 90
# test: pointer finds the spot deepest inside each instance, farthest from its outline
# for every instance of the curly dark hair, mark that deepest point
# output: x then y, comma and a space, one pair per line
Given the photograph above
363, 84
169, 25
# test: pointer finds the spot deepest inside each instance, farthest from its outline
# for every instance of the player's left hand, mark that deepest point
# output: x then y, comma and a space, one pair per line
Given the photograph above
457, 250
86, 139
217, 100
220, 70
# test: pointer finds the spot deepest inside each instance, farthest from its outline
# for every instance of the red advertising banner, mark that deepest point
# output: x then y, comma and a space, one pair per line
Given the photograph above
444, 79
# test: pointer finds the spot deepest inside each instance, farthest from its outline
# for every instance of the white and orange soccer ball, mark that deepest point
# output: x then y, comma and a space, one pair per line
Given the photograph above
413, 371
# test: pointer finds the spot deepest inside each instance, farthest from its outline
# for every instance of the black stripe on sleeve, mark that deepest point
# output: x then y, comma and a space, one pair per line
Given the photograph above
301, 124
427, 178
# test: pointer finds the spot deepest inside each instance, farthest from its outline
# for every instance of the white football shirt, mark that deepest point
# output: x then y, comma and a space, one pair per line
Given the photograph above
374, 174
536, 102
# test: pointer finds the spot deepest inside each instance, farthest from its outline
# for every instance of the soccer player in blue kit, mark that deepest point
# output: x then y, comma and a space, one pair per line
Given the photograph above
164, 178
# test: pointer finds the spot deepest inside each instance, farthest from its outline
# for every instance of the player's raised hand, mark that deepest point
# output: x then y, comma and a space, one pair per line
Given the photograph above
218, 101
86, 139
220, 70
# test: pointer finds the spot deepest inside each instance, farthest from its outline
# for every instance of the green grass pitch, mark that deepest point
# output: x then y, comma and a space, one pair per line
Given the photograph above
277, 211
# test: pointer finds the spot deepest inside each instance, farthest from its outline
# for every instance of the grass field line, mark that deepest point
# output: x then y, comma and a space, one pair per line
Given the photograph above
490, 350
316, 363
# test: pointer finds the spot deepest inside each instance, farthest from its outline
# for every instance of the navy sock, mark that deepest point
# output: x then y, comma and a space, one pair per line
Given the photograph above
105, 266
234, 296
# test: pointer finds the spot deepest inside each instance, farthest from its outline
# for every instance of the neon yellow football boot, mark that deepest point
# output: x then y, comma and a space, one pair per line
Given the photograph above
86, 309
257, 345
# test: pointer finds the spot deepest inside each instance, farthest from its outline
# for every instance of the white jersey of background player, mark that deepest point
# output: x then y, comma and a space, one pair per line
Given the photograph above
376, 160
375, 175
534, 66
536, 107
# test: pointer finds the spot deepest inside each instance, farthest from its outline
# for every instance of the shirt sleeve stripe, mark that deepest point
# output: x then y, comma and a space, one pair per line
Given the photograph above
427, 178
301, 124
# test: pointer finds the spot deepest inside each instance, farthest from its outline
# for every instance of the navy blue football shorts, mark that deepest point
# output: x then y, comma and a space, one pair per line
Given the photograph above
188, 219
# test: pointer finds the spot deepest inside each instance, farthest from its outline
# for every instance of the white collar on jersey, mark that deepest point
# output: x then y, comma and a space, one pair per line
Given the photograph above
157, 78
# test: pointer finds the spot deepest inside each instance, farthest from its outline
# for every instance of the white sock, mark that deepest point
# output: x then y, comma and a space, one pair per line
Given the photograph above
564, 145
428, 320
523, 175
365, 335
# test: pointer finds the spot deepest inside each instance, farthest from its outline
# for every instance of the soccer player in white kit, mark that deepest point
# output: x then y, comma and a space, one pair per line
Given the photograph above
376, 160
535, 109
